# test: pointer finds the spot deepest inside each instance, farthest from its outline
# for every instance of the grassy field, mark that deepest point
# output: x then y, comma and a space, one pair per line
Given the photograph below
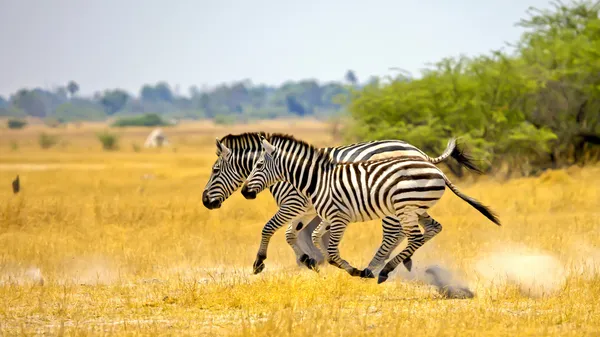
102, 243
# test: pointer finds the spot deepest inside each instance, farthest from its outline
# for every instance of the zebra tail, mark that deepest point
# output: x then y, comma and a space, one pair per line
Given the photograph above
486, 211
455, 151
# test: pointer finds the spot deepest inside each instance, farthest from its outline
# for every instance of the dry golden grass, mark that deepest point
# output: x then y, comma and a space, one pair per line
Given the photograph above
122, 244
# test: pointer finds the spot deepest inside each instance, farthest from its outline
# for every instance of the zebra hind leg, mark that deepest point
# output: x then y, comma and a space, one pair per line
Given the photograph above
410, 222
392, 236
430, 225
303, 247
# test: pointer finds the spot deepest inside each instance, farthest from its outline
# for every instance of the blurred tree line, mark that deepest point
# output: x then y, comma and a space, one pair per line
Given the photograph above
535, 107
241, 100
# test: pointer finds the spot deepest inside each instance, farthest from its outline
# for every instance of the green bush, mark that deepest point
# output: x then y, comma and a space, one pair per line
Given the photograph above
224, 119
144, 120
16, 123
529, 110
47, 141
110, 141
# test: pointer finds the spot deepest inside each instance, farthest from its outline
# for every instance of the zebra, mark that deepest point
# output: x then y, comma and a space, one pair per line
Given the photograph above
237, 155
402, 188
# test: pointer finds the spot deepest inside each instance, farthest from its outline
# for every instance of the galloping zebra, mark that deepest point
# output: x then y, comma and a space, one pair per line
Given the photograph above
401, 188
237, 155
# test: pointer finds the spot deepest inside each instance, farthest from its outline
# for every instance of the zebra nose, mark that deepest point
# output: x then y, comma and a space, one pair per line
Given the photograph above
248, 194
210, 203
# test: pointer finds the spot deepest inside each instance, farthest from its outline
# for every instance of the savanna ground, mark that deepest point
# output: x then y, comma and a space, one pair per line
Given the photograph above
118, 242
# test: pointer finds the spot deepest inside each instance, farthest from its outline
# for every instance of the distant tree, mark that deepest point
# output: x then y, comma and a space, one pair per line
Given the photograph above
31, 102
294, 106
114, 100
159, 92
193, 91
3, 102
61, 93
351, 77
73, 88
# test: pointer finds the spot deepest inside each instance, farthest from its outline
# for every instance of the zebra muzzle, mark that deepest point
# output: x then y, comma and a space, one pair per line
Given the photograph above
247, 193
209, 203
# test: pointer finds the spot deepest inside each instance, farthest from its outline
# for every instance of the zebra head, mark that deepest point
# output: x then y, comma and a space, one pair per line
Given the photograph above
265, 172
225, 178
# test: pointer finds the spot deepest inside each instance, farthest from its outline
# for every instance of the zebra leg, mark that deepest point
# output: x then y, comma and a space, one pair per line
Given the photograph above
283, 215
317, 238
430, 226
336, 232
410, 222
305, 241
392, 236
303, 256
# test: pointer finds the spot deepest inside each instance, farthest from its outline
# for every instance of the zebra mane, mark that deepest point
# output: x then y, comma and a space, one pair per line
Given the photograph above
252, 141
244, 141
308, 148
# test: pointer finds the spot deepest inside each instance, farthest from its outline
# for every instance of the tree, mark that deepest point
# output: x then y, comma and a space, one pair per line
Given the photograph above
114, 100
159, 92
294, 106
73, 88
351, 77
32, 102
533, 109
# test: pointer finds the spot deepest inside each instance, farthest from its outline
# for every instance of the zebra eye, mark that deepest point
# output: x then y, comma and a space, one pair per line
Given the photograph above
260, 165
215, 169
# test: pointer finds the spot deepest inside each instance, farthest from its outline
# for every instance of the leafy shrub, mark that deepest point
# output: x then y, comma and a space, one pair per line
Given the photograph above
110, 141
144, 120
54, 122
16, 123
47, 141
224, 119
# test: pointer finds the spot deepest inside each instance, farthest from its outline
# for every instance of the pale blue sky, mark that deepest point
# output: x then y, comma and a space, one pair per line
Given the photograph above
126, 43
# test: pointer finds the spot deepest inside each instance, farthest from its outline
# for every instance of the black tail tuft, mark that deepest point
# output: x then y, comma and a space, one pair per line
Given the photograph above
465, 159
486, 211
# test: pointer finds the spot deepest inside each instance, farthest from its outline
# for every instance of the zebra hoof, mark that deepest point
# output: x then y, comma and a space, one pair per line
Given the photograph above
259, 268
259, 265
408, 264
383, 276
356, 272
367, 273
308, 262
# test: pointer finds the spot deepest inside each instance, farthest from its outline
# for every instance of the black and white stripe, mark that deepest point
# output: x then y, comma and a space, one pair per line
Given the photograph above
399, 188
237, 155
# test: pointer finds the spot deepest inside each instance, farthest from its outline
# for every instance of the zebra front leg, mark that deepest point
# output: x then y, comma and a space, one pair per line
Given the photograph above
392, 236
336, 232
282, 216
410, 222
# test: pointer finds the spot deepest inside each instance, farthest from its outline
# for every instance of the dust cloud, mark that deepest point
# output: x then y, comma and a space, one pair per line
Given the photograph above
535, 273
89, 270
15, 274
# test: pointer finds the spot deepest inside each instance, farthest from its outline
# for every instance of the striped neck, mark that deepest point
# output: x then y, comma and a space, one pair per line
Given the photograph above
303, 165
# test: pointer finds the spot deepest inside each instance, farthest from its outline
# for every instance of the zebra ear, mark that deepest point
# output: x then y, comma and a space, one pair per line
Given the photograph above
222, 150
267, 146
